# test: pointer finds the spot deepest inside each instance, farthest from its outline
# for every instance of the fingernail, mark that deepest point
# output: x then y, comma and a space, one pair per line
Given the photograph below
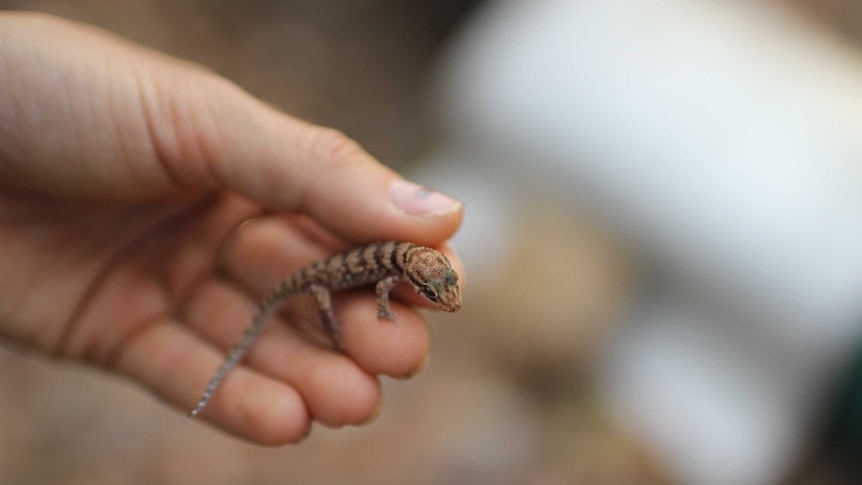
417, 200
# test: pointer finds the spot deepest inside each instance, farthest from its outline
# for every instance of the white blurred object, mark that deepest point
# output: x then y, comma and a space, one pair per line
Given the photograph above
725, 138
491, 199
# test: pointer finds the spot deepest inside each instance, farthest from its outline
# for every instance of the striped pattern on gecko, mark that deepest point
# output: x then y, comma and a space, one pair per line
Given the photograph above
384, 263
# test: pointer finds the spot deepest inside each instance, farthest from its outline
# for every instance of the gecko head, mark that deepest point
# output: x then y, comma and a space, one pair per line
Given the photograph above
431, 275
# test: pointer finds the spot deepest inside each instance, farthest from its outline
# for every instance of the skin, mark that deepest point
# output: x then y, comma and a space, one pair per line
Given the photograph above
125, 178
427, 270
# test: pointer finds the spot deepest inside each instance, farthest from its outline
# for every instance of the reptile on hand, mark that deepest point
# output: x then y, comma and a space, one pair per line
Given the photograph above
384, 263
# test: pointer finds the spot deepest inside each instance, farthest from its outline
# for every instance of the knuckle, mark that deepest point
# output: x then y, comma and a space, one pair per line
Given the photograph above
330, 146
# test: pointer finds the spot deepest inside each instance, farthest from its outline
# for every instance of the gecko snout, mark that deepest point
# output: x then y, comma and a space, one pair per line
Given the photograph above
431, 275
449, 298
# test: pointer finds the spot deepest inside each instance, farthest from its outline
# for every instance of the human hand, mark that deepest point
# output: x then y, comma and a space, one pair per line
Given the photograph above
125, 178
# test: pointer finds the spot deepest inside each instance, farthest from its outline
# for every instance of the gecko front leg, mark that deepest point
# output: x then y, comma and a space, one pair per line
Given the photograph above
324, 305
383, 287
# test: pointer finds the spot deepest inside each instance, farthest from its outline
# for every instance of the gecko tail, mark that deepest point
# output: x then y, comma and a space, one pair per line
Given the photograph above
236, 353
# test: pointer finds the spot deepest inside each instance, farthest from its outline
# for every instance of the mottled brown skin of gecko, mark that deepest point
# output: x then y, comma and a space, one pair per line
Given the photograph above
384, 263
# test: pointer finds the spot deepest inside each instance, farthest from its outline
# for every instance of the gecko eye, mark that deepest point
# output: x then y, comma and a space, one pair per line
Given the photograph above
429, 292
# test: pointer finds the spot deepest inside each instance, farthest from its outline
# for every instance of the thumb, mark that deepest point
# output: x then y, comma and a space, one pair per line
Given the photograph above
289, 164
88, 115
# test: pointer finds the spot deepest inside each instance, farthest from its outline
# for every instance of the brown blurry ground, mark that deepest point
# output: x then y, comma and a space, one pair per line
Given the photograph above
507, 397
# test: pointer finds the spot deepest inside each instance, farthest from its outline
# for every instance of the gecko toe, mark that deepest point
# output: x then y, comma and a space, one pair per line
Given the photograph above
386, 316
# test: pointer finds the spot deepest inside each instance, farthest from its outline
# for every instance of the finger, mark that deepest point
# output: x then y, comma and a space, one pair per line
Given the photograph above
169, 260
134, 124
176, 365
218, 135
335, 390
293, 165
275, 247
197, 238
298, 242
268, 250
130, 123
393, 348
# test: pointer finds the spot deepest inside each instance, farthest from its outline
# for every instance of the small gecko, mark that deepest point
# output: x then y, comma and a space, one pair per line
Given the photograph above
384, 263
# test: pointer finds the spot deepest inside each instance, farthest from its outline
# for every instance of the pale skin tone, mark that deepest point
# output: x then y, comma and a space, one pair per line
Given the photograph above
124, 175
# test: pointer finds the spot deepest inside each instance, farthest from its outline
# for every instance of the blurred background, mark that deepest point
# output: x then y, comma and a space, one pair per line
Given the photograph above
663, 238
